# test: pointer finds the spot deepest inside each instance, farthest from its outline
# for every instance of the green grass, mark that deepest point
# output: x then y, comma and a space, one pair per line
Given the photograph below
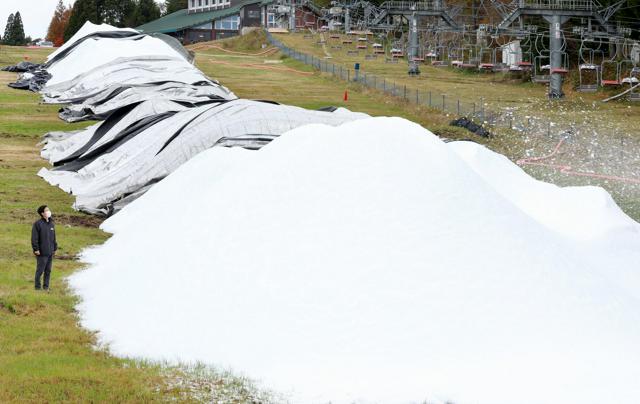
44, 355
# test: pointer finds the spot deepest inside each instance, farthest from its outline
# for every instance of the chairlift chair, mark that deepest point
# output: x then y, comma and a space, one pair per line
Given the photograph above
606, 78
563, 69
633, 81
588, 70
541, 68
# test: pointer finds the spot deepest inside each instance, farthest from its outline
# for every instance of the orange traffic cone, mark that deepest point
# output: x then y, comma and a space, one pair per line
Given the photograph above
346, 96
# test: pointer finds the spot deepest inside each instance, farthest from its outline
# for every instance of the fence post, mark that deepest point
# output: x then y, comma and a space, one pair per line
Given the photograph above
348, 75
374, 82
473, 114
384, 85
482, 108
429, 99
405, 91
443, 102
458, 106
394, 88
417, 96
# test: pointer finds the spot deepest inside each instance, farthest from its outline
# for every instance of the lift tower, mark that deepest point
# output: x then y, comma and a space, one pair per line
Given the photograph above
556, 13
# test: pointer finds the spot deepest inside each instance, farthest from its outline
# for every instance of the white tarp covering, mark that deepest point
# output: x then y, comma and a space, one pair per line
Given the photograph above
58, 148
87, 29
159, 149
127, 72
117, 96
100, 62
159, 111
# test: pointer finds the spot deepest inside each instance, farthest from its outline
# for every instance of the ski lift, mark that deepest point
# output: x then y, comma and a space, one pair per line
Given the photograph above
626, 68
487, 58
610, 79
541, 69
588, 70
541, 62
397, 52
563, 69
471, 61
634, 95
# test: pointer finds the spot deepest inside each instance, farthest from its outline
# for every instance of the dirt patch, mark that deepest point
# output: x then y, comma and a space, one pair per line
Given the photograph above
78, 220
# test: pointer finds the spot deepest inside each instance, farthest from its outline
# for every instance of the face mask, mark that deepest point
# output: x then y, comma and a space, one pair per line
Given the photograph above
47, 214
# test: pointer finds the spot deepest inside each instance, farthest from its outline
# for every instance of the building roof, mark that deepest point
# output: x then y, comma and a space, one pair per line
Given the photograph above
181, 19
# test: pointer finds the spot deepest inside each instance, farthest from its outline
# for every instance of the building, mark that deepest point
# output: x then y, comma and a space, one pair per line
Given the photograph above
206, 20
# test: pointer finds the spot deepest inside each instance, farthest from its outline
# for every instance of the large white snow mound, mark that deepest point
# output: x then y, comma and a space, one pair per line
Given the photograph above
372, 262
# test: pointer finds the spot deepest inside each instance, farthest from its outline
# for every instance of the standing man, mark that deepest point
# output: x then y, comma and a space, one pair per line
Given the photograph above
43, 241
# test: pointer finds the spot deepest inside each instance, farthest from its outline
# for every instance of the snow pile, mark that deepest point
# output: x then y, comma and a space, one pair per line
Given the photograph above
371, 262
141, 145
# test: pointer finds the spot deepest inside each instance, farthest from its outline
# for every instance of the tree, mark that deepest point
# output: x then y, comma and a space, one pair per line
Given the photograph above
17, 30
118, 13
7, 30
58, 24
14, 30
82, 11
171, 6
146, 10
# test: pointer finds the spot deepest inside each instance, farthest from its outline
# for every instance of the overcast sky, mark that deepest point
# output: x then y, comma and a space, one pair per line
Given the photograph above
36, 14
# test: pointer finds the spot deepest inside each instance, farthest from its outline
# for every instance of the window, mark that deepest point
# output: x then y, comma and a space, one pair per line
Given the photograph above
253, 13
206, 2
271, 20
229, 23
193, 3
199, 3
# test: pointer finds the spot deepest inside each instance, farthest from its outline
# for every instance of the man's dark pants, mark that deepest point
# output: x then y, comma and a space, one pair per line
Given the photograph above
43, 266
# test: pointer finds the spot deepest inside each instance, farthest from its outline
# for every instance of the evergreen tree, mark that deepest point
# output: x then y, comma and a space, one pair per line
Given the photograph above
7, 30
146, 10
82, 11
17, 30
171, 6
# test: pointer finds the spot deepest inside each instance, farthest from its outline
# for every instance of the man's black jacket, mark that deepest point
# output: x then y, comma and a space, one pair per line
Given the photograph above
43, 237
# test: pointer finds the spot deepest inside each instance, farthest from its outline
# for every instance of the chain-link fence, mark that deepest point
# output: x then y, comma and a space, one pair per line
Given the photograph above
474, 110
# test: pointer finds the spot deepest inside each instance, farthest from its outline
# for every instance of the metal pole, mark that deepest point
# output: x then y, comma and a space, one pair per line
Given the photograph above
347, 21
292, 17
555, 55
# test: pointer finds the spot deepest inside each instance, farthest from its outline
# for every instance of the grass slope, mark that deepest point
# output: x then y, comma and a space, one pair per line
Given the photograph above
45, 357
